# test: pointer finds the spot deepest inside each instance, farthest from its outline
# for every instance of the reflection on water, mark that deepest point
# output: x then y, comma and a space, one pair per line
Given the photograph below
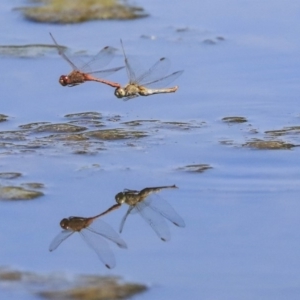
91, 234
152, 208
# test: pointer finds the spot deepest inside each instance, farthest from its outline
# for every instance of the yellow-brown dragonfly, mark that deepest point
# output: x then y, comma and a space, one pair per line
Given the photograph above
92, 234
147, 83
154, 210
87, 71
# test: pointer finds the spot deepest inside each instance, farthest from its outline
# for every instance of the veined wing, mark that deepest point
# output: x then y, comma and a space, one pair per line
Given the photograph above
103, 229
104, 73
129, 67
155, 220
125, 217
62, 54
100, 246
130, 97
162, 207
164, 81
99, 61
64, 234
157, 71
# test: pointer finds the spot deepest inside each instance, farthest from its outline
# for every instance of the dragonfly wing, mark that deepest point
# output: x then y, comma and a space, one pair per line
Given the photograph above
162, 207
103, 229
105, 73
100, 60
158, 70
100, 246
125, 217
130, 97
164, 81
64, 234
132, 67
155, 220
62, 53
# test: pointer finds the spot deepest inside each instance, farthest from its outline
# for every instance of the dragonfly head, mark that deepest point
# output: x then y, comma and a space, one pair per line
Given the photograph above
120, 198
64, 80
120, 93
64, 223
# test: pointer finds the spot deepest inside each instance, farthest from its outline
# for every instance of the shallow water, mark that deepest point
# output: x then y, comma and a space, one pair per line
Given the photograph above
242, 214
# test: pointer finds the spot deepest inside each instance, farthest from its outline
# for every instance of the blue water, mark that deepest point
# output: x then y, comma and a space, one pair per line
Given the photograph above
241, 239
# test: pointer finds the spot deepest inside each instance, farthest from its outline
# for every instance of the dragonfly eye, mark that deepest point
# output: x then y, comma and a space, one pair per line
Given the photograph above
63, 80
64, 223
120, 198
119, 93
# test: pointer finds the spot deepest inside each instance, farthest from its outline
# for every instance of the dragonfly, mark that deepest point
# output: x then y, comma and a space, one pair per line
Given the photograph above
141, 84
154, 210
91, 232
84, 73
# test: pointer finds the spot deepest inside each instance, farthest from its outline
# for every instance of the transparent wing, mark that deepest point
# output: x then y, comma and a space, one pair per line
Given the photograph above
61, 52
59, 239
164, 81
125, 217
155, 220
131, 67
100, 246
130, 97
158, 70
103, 229
100, 60
105, 73
165, 209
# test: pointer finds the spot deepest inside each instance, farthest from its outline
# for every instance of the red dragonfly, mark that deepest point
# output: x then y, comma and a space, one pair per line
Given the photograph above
84, 73
92, 234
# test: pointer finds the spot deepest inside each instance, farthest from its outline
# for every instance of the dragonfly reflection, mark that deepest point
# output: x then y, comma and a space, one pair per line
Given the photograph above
92, 236
86, 72
152, 208
144, 84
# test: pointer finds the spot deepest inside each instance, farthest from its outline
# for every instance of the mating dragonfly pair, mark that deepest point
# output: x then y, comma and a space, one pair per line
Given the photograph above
154, 210
139, 84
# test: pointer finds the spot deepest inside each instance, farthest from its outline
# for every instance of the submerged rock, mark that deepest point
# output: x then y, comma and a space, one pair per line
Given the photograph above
58, 286
115, 134
31, 50
197, 168
234, 120
85, 115
3, 118
12, 135
62, 127
100, 288
10, 175
76, 11
268, 145
285, 131
34, 185
18, 193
